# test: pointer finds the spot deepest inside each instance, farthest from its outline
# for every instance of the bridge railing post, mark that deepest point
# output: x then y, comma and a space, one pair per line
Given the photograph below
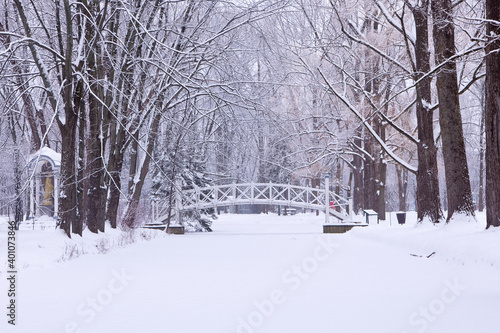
327, 198
270, 192
252, 193
154, 210
288, 196
216, 196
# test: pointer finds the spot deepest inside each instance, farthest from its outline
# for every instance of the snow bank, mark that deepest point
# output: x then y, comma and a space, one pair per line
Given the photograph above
41, 244
463, 240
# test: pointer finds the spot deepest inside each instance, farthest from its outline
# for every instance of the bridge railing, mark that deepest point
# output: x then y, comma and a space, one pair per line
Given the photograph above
253, 193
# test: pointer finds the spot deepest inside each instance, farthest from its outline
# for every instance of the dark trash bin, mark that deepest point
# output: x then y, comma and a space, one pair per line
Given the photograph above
401, 217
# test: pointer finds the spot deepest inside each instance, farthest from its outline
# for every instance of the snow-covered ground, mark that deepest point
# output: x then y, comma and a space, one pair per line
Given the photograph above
259, 273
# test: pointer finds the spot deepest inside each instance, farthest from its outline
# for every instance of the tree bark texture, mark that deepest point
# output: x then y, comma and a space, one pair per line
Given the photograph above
402, 174
68, 194
131, 212
382, 175
450, 119
428, 199
357, 192
96, 193
18, 201
482, 150
82, 181
492, 99
370, 176
115, 166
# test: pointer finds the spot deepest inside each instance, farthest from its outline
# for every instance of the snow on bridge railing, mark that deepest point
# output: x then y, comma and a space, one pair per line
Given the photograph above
257, 193
223, 195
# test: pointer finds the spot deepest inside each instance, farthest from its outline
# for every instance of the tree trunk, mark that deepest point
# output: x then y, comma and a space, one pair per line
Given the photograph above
114, 194
115, 166
36, 142
18, 201
369, 177
382, 188
68, 204
116, 145
382, 171
428, 200
82, 183
134, 156
119, 139
357, 192
402, 174
96, 198
338, 180
131, 212
450, 119
67, 207
482, 149
492, 99
24, 89
96, 194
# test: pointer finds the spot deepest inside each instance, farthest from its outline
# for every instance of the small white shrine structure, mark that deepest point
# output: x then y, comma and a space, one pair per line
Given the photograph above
44, 168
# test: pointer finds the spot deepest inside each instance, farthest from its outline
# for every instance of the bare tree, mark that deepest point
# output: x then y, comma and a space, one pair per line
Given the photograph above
492, 113
455, 160
428, 201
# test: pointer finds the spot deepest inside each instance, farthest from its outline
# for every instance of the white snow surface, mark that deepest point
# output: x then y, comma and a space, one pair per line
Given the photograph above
259, 273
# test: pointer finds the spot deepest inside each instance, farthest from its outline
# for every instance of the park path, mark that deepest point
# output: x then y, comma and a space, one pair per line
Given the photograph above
253, 275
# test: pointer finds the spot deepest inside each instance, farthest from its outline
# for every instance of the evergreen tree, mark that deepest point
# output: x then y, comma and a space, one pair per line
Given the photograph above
189, 166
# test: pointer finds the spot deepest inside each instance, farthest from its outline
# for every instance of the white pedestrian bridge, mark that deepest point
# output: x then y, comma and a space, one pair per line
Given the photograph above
253, 193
